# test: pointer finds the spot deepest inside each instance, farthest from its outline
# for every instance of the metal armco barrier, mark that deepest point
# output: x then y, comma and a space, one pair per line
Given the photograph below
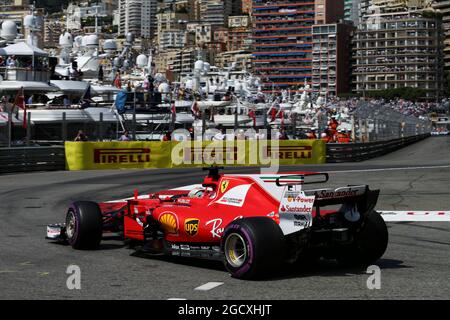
353, 152
25, 159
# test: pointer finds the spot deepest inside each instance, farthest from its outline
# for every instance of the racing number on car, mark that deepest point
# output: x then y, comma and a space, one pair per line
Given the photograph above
224, 185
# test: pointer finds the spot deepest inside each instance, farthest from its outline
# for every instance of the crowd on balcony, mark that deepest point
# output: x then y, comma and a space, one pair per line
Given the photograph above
393, 69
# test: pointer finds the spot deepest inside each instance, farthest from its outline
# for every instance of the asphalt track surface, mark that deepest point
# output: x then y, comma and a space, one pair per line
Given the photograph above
415, 266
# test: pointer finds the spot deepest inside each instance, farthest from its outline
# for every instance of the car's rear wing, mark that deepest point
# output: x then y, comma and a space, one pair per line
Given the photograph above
361, 195
300, 179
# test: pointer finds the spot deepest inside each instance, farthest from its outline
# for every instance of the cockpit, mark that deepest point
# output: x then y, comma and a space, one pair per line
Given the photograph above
201, 192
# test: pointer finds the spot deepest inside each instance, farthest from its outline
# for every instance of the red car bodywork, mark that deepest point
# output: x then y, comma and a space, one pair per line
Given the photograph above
251, 222
198, 220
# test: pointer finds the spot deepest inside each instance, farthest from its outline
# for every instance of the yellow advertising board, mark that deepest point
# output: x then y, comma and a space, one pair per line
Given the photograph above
248, 153
117, 155
127, 155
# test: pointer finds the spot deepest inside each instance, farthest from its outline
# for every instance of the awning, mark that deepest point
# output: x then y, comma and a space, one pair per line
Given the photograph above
27, 86
22, 49
98, 89
70, 86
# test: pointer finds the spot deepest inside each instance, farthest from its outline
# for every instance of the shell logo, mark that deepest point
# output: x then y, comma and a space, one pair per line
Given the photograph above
169, 222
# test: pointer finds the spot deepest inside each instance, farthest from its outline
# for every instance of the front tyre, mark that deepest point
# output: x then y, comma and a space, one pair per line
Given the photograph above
370, 242
253, 247
84, 225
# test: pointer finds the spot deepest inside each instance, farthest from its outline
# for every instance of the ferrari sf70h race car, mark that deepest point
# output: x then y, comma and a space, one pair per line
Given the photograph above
254, 223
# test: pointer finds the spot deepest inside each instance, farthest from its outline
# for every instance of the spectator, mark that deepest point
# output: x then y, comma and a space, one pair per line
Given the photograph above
100, 74
166, 137
312, 134
3, 102
81, 136
219, 136
343, 137
66, 101
11, 62
124, 136
129, 87
327, 136
278, 135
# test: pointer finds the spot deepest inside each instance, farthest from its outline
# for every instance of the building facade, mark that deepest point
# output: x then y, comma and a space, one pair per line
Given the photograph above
444, 9
240, 33
137, 17
171, 29
171, 39
328, 11
282, 43
215, 12
399, 51
241, 59
148, 18
181, 62
331, 69
246, 7
351, 10
52, 30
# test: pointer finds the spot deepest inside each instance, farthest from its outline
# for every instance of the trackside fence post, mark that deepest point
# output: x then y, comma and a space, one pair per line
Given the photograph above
64, 127
9, 127
100, 127
28, 129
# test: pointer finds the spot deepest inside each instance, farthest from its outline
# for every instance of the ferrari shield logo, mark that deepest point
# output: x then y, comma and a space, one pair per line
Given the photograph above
191, 226
224, 185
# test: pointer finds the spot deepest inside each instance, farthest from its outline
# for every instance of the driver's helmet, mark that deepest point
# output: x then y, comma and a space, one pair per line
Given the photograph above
196, 192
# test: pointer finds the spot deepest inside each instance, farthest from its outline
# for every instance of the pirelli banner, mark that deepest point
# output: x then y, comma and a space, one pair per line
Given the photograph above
117, 155
248, 153
123, 155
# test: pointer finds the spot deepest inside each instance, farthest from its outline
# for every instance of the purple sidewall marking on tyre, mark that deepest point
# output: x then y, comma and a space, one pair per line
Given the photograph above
247, 264
250, 246
77, 224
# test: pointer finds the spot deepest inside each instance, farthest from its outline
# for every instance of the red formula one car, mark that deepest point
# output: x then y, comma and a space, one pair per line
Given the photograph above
254, 223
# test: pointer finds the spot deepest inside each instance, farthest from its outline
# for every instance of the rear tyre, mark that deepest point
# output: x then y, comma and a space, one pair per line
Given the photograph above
370, 242
253, 247
84, 225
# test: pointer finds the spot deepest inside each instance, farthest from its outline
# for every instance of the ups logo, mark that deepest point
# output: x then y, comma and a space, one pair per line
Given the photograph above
191, 226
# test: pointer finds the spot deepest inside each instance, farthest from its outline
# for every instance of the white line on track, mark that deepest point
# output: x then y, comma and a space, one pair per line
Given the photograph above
389, 169
208, 286
176, 299
415, 216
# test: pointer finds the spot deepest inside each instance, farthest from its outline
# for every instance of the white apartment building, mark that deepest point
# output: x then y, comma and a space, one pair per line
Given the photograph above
215, 12
171, 29
172, 39
76, 12
148, 16
138, 17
